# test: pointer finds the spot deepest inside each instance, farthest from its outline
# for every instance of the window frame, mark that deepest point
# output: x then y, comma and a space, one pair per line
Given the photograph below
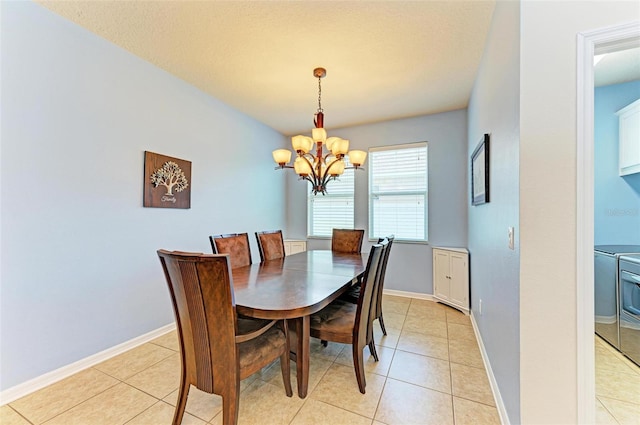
372, 194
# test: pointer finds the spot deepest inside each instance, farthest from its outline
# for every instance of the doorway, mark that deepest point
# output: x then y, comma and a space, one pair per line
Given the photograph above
590, 43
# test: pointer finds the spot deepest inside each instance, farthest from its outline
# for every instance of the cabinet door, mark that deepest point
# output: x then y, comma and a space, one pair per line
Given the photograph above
629, 135
293, 246
459, 273
441, 281
297, 246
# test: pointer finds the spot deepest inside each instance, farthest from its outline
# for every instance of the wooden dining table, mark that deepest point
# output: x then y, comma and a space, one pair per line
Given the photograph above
293, 288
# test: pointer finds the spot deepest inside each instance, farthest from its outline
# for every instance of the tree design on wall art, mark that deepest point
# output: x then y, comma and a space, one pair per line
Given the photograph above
166, 181
170, 175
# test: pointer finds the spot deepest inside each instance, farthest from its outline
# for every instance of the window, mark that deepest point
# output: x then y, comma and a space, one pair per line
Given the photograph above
333, 210
398, 194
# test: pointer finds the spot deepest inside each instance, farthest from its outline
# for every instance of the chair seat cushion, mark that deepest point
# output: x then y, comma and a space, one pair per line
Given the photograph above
351, 295
259, 352
337, 318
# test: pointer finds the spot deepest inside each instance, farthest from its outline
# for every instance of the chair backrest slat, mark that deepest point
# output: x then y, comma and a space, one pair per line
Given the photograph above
367, 288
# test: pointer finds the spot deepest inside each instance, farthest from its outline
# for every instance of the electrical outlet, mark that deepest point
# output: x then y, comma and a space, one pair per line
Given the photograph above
511, 238
480, 308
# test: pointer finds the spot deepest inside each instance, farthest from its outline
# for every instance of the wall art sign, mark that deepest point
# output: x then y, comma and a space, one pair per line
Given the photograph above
167, 181
480, 172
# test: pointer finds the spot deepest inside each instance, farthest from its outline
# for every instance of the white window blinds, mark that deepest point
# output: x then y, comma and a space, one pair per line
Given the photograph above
398, 192
333, 210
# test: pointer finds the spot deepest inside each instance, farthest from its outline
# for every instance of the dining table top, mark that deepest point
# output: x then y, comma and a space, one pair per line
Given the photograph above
295, 286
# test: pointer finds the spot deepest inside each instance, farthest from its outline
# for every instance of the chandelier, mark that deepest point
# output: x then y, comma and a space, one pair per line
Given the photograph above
321, 168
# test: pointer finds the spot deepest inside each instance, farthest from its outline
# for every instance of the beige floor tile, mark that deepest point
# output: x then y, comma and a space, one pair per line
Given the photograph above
392, 320
613, 361
200, 404
619, 386
8, 416
389, 340
380, 367
468, 412
624, 413
456, 316
418, 324
603, 417
263, 403
317, 369
316, 412
402, 403
339, 387
471, 383
397, 305
160, 379
168, 340
328, 353
465, 352
427, 310
607, 360
50, 401
421, 370
426, 345
162, 413
457, 331
133, 361
116, 405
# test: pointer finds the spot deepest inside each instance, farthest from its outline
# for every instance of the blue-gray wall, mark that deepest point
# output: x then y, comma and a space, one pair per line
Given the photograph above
79, 268
494, 108
409, 266
616, 199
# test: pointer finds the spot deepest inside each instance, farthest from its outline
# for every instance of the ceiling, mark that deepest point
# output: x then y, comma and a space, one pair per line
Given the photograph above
618, 66
384, 59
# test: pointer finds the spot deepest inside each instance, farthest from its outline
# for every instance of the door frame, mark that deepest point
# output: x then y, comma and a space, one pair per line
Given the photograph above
604, 40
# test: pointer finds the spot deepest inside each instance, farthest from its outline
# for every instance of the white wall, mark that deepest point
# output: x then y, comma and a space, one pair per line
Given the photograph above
79, 268
494, 109
409, 266
548, 143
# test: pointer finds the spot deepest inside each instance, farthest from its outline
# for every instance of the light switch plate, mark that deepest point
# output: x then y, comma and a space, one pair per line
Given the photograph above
511, 238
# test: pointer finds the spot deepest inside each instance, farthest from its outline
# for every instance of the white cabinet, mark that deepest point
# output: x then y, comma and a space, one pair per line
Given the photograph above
294, 246
629, 138
451, 277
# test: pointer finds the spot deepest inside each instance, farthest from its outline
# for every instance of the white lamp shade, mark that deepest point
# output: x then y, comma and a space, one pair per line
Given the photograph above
340, 147
357, 157
302, 143
319, 134
330, 141
302, 167
281, 156
337, 168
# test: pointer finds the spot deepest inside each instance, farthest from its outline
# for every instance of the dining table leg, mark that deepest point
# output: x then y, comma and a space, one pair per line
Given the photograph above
303, 332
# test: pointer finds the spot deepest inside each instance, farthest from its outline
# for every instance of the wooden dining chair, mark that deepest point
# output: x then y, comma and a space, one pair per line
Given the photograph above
354, 292
270, 244
234, 244
347, 240
348, 323
217, 349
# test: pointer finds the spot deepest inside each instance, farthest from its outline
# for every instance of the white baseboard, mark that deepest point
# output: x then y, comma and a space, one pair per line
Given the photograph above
406, 294
502, 411
21, 390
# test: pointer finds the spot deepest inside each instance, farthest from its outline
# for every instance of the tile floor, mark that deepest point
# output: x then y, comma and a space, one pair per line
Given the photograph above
430, 372
617, 387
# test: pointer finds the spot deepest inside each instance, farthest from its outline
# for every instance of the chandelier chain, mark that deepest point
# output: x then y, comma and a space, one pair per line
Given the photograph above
320, 95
